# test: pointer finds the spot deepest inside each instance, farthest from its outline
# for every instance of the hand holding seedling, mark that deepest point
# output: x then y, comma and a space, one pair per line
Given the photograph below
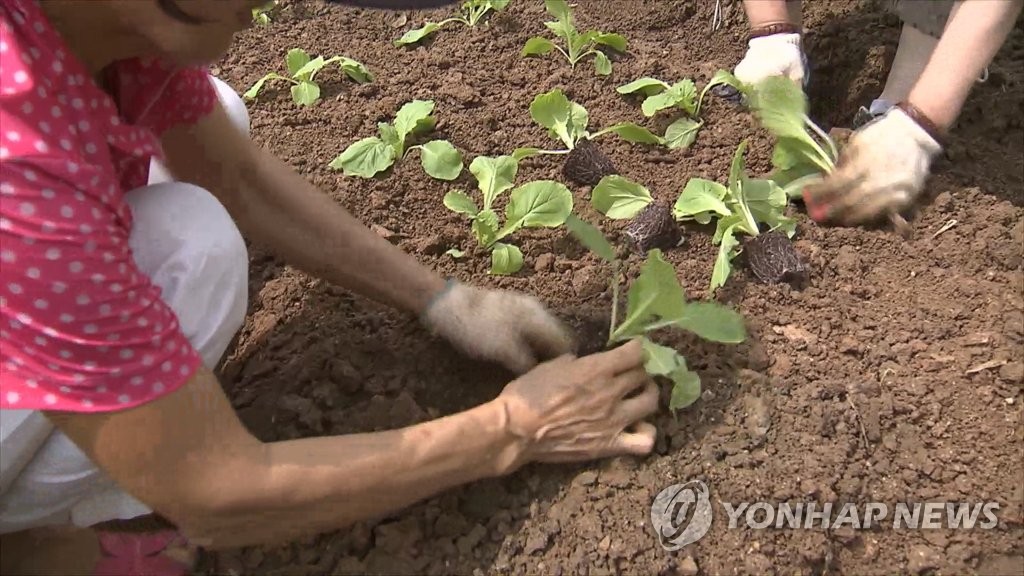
510, 328
881, 171
575, 409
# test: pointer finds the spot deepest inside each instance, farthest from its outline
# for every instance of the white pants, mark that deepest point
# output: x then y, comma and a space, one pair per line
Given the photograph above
186, 242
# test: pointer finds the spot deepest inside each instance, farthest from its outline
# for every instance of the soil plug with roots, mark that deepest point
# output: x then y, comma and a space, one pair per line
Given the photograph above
586, 164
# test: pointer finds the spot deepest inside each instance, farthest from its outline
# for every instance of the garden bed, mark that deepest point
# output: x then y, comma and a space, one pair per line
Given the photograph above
893, 375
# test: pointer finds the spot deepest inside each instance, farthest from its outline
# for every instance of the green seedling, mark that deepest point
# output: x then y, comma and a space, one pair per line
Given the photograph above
578, 45
368, 157
655, 300
803, 151
538, 204
261, 14
472, 13
567, 122
302, 75
741, 208
660, 95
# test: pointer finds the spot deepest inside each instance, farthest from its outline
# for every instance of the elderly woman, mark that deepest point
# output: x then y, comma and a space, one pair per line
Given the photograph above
124, 170
945, 46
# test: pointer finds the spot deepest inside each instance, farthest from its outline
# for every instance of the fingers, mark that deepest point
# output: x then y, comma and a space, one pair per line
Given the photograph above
639, 442
627, 382
517, 356
825, 199
542, 332
641, 406
626, 357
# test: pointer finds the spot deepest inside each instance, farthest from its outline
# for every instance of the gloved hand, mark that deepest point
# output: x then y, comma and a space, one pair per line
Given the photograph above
775, 55
512, 329
881, 171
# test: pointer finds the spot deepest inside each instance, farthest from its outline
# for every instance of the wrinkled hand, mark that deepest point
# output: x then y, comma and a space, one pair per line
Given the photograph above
775, 55
573, 409
506, 327
880, 172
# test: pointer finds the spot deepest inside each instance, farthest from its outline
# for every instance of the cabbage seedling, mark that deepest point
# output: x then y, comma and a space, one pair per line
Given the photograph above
302, 73
472, 13
655, 300
803, 151
660, 95
368, 157
742, 207
578, 45
567, 122
538, 204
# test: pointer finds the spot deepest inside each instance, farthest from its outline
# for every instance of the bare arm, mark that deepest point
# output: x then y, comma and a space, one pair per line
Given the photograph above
765, 12
971, 40
188, 457
278, 208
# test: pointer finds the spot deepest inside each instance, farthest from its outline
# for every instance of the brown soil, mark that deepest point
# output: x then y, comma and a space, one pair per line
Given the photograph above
894, 375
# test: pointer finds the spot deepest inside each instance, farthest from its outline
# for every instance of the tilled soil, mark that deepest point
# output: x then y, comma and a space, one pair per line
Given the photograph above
893, 375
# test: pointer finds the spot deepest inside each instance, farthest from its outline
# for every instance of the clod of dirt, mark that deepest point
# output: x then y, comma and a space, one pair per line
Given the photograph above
773, 258
586, 164
654, 227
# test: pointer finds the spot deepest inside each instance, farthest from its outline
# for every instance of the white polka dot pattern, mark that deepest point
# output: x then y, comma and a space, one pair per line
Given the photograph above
83, 329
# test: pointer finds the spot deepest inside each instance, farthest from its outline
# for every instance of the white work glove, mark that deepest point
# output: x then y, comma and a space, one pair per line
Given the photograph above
512, 329
881, 171
775, 55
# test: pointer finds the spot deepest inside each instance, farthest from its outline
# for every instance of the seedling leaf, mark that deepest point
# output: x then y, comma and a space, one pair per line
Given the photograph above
656, 293
365, 158
552, 110
356, 70
647, 86
537, 46
633, 133
681, 133
459, 202
685, 388
543, 203
494, 175
305, 92
415, 35
619, 198
295, 59
441, 160
455, 253
485, 227
723, 266
616, 42
701, 198
602, 65
506, 259
714, 322
588, 235
414, 117
660, 360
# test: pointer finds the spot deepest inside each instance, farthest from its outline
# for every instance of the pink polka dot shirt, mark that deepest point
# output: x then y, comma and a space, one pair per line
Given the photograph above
81, 328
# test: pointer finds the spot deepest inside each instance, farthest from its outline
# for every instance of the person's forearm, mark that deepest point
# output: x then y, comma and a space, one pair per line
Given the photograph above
765, 12
971, 40
313, 485
286, 213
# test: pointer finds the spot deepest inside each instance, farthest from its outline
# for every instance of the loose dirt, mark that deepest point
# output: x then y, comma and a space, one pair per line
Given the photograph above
895, 374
